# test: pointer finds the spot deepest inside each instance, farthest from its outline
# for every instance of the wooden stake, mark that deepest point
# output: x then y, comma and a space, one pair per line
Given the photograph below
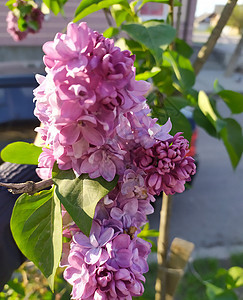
162, 249
180, 252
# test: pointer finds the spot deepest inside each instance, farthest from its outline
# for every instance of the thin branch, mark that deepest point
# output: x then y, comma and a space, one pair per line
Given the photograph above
207, 48
171, 12
171, 19
178, 20
29, 187
108, 16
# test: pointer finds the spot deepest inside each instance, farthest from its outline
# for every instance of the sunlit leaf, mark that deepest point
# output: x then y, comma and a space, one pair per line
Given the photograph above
208, 111
216, 293
87, 7
36, 225
22, 24
237, 274
182, 68
203, 122
21, 153
110, 32
148, 74
120, 13
212, 290
175, 2
53, 5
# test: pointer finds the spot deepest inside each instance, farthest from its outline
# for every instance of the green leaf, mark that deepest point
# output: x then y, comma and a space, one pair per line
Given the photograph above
172, 109
212, 290
182, 68
148, 233
55, 6
10, 4
120, 13
33, 25
22, 24
232, 137
87, 7
175, 2
80, 195
237, 274
21, 153
25, 9
233, 100
148, 74
163, 81
203, 122
36, 225
182, 48
208, 111
17, 286
154, 35
227, 295
110, 32
217, 86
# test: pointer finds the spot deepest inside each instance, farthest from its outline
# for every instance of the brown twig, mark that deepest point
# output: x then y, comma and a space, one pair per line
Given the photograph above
29, 187
178, 20
108, 16
171, 20
207, 48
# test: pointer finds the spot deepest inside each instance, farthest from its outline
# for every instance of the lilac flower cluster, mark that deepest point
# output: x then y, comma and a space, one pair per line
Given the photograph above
34, 16
95, 120
109, 264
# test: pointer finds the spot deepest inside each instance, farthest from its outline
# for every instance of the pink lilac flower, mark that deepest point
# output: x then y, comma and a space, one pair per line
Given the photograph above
166, 166
96, 121
89, 84
93, 244
46, 162
105, 162
118, 277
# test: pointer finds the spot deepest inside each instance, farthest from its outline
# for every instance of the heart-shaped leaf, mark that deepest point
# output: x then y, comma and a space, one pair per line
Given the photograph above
231, 134
80, 195
233, 100
156, 36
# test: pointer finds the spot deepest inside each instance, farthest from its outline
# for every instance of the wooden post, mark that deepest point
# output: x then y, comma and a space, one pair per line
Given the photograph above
180, 252
162, 249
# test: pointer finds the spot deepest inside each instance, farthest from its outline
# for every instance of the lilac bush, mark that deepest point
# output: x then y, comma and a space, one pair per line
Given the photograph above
24, 18
95, 120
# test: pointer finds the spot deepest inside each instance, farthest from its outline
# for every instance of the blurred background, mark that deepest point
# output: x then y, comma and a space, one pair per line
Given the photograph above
210, 213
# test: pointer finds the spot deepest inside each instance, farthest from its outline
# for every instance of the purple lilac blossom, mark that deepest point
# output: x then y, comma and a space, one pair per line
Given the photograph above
89, 89
95, 120
166, 165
